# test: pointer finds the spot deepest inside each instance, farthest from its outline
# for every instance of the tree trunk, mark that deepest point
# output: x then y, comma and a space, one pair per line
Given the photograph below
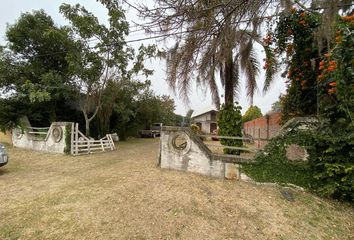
88, 120
87, 125
229, 79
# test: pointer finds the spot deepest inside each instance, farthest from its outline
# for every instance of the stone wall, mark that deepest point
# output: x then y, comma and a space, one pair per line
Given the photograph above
181, 150
53, 141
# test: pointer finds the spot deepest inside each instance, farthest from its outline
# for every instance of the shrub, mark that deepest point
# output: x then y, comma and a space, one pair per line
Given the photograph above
230, 124
332, 163
195, 129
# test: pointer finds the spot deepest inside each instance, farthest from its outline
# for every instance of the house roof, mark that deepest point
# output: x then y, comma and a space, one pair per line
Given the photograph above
203, 111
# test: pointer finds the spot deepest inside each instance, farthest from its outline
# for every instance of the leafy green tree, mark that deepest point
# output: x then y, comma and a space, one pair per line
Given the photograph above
252, 112
34, 69
101, 54
152, 109
130, 105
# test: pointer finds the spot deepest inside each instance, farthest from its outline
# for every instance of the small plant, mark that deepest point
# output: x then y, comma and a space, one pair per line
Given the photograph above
195, 129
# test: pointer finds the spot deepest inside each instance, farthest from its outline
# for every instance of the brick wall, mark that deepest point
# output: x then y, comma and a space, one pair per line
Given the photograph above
264, 127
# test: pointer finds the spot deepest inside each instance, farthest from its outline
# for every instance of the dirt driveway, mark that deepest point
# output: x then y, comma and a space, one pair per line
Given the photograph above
122, 195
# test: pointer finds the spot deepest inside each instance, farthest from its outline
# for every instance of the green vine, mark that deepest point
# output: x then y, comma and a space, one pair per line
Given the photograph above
320, 81
67, 148
272, 165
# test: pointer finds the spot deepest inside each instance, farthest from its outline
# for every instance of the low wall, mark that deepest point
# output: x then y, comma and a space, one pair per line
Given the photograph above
181, 150
53, 141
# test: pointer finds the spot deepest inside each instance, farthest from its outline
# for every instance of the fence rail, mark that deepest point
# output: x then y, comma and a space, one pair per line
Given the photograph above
251, 139
233, 147
235, 138
38, 128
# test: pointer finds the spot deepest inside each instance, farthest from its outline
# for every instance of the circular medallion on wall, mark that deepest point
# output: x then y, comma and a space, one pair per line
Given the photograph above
57, 134
18, 133
180, 142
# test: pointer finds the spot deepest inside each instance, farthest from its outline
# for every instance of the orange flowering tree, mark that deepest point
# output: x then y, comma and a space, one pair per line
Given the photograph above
333, 153
295, 42
320, 80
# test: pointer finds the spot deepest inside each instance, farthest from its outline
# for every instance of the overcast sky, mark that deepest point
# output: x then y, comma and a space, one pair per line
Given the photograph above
199, 98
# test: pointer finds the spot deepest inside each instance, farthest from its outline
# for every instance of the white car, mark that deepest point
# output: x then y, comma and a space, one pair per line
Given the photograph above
4, 158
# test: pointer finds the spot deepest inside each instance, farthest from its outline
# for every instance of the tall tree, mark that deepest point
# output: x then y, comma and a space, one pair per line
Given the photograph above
101, 51
101, 54
211, 37
33, 66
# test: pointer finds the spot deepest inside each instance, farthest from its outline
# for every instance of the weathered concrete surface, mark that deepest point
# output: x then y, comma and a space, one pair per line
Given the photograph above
194, 156
295, 152
52, 142
232, 171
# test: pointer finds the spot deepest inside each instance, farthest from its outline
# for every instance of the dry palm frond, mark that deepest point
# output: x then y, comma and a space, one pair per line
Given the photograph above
236, 76
252, 71
271, 70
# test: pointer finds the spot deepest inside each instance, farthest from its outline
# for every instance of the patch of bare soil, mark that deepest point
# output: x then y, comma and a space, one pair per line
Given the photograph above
123, 195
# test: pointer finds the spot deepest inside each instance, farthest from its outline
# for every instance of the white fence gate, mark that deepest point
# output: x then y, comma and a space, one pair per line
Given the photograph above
80, 144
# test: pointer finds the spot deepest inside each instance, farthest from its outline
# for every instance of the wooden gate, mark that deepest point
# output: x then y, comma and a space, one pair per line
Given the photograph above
80, 144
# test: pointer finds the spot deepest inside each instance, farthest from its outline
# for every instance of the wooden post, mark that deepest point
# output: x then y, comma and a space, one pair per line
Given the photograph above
102, 145
72, 139
88, 147
76, 138
110, 141
113, 146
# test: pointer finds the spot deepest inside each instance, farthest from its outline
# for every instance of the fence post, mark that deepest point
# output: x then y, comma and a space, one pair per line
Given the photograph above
72, 141
109, 136
88, 146
76, 138
102, 145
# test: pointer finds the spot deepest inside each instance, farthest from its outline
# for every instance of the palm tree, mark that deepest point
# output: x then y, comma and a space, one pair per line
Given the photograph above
212, 37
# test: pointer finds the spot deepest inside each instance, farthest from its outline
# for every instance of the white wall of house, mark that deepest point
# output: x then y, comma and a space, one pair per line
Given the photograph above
205, 120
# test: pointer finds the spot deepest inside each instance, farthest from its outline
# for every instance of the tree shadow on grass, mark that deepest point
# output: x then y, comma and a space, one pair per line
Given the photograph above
3, 171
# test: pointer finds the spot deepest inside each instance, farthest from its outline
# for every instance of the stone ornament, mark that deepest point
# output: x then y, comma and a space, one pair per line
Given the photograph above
18, 133
180, 143
57, 134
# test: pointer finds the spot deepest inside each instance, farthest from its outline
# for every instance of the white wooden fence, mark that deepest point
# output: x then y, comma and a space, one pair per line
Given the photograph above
80, 144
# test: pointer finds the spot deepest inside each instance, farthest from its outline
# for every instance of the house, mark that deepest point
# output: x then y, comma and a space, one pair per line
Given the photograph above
263, 128
206, 120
